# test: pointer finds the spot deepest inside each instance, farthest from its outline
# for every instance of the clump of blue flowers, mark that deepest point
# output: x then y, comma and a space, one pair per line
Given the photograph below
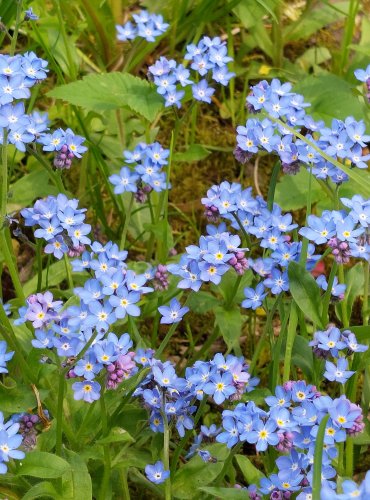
290, 425
18, 74
61, 225
146, 25
143, 171
208, 59
283, 115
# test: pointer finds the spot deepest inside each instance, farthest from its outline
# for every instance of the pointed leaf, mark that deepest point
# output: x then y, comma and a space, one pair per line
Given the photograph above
42, 464
111, 91
305, 292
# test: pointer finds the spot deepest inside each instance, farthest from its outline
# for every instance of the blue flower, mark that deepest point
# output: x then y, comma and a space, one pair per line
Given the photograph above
263, 434
29, 15
88, 391
202, 92
220, 387
4, 356
172, 313
230, 436
254, 297
278, 282
156, 473
339, 372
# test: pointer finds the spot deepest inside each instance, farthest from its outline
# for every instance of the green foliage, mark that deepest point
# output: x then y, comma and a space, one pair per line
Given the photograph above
112, 91
230, 322
291, 190
43, 465
305, 292
196, 473
251, 474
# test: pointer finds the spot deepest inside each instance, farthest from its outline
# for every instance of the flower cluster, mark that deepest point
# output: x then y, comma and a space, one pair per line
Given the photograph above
61, 224
170, 398
208, 59
344, 232
17, 75
291, 425
221, 250
9, 442
144, 172
68, 331
146, 25
349, 488
343, 141
66, 144
338, 345
4, 356
217, 252
29, 428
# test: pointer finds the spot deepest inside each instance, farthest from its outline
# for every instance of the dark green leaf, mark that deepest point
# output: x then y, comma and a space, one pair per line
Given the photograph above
291, 190
201, 302
305, 292
45, 489
77, 481
112, 91
116, 435
354, 280
225, 493
303, 356
29, 187
251, 474
57, 273
42, 464
230, 323
197, 473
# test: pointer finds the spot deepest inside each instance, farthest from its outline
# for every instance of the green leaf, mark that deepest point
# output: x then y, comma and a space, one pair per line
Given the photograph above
362, 439
355, 281
45, 489
227, 493
251, 474
42, 464
291, 190
303, 356
16, 399
77, 481
57, 273
116, 435
305, 292
197, 473
111, 91
227, 285
195, 152
257, 395
230, 323
202, 302
29, 187
330, 97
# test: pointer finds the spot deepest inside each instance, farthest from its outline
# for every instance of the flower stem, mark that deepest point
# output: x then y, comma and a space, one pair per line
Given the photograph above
365, 305
16, 28
166, 454
345, 320
292, 330
107, 458
127, 222
317, 467
59, 426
